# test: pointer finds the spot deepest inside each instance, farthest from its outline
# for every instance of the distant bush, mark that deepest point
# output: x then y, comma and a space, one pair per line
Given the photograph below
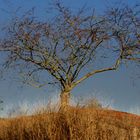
1, 103
89, 103
21, 109
93, 103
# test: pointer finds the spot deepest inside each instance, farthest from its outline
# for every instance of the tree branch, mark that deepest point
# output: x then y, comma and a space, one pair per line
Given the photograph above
98, 71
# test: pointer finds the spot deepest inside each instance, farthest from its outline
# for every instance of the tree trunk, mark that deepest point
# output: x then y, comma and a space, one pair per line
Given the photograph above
64, 98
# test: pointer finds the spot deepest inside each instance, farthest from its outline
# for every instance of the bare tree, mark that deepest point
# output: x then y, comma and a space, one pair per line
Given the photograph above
66, 44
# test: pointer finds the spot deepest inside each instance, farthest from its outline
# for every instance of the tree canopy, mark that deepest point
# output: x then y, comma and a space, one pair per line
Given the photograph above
66, 44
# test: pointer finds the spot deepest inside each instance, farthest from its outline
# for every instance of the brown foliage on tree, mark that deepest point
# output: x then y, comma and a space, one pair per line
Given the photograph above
64, 45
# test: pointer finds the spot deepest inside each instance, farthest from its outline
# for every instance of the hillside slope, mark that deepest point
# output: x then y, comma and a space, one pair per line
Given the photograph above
73, 124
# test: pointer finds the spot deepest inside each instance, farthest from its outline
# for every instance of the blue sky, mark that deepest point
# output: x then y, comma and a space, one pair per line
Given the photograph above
117, 86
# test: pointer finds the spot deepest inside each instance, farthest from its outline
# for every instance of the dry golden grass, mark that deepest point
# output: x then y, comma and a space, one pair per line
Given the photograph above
74, 123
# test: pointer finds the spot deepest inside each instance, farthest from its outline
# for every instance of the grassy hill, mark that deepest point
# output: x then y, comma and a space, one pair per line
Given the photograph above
74, 123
